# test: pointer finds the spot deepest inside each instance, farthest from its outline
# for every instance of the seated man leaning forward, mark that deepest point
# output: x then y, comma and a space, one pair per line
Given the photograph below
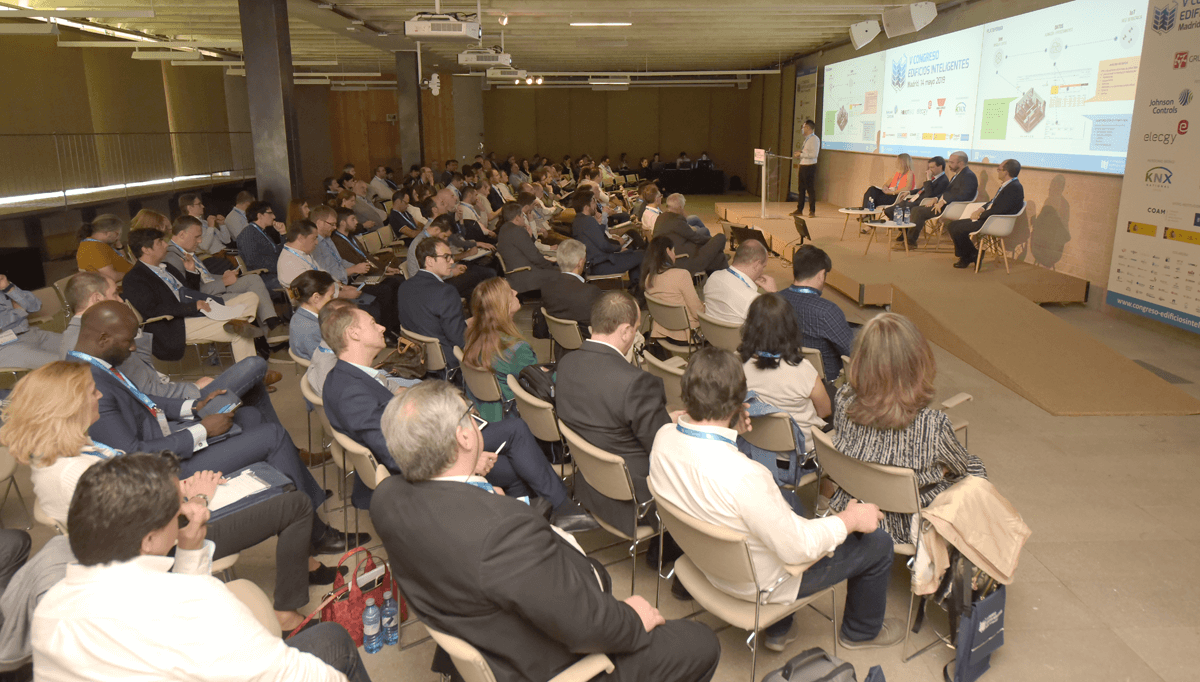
728, 293
695, 465
490, 570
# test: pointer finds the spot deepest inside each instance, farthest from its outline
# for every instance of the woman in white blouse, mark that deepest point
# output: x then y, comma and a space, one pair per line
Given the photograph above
46, 426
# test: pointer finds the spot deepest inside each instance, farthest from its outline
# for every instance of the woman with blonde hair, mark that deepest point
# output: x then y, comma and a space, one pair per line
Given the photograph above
903, 180
148, 219
492, 340
46, 426
882, 415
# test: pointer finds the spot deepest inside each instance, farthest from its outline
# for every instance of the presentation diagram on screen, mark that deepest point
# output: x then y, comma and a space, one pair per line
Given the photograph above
1056, 86
851, 111
929, 96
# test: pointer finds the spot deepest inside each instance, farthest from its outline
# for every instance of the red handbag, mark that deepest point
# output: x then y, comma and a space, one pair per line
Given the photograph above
345, 603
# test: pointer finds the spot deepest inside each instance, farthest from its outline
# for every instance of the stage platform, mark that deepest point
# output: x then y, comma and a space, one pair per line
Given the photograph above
991, 320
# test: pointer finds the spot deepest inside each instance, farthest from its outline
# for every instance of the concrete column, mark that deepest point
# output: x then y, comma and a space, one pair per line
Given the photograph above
408, 95
267, 48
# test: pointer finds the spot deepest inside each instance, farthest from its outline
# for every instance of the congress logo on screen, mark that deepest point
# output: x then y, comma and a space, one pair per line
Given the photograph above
899, 70
1164, 18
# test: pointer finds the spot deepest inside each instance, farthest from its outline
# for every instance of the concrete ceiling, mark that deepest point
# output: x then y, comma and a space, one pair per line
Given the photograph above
664, 36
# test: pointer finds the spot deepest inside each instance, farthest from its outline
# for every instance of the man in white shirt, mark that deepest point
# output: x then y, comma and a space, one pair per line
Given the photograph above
380, 189
236, 221
653, 210
695, 465
810, 149
728, 293
127, 611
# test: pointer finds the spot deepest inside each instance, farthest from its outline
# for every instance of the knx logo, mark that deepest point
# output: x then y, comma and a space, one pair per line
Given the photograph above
899, 70
1159, 176
1164, 18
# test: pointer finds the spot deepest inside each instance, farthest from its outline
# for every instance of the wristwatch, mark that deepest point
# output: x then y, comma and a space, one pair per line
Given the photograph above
200, 495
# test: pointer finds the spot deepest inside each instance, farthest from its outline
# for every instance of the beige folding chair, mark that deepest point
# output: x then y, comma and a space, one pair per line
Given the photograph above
892, 489
671, 372
674, 318
337, 452
504, 266
60, 288
8, 475
960, 425
564, 332
724, 554
361, 461
244, 270
483, 384
992, 234
223, 567
952, 211
52, 315
435, 361
773, 433
616, 280
609, 476
474, 667
814, 356
259, 604
539, 416
302, 366
721, 334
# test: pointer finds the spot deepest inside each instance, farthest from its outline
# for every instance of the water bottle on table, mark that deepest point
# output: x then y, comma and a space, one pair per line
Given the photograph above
391, 619
372, 632
870, 203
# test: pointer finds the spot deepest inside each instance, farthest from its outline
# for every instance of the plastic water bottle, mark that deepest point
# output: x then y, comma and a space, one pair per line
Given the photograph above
870, 203
391, 619
372, 633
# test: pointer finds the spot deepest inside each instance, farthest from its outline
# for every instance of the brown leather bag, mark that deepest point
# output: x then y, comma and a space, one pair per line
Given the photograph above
406, 361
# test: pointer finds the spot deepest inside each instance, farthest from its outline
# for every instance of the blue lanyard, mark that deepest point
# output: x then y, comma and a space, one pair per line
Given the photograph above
735, 274
704, 434
168, 279
103, 451
482, 485
804, 290
350, 241
312, 265
142, 397
199, 266
323, 349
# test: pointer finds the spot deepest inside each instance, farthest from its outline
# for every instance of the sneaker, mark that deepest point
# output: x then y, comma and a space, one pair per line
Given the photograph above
891, 633
780, 642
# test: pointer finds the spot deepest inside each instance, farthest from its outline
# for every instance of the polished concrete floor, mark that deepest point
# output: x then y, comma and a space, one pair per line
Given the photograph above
1104, 590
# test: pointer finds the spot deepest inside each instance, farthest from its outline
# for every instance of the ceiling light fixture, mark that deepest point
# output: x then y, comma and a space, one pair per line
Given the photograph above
539, 80
602, 23
29, 29
529, 80
60, 13
503, 20
164, 55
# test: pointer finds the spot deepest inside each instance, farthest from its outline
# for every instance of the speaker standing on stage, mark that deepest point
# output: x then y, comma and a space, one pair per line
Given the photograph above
807, 154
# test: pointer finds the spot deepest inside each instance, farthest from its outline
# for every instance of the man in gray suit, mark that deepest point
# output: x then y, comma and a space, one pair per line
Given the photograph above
518, 250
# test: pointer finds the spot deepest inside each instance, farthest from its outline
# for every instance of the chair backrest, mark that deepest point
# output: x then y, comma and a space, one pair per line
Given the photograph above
298, 360
772, 432
256, 600
8, 463
482, 383
720, 553
373, 242
724, 335
434, 359
470, 663
537, 414
60, 287
361, 460
565, 332
602, 470
668, 315
242, 268
814, 356
891, 488
310, 394
671, 374
1002, 225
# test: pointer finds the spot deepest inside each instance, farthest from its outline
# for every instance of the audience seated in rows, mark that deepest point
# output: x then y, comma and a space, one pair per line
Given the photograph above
518, 248
323, 358
822, 322
214, 237
98, 243
463, 277
124, 519
570, 296
704, 254
696, 466
604, 256
401, 219
311, 290
261, 242
665, 281
236, 220
329, 258
493, 343
486, 568
882, 415
429, 303
728, 293
29, 347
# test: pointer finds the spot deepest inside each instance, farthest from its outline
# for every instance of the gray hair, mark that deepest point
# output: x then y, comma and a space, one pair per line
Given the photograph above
961, 155
676, 200
420, 426
570, 254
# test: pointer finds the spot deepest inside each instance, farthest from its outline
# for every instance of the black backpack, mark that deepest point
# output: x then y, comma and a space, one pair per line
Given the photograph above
538, 383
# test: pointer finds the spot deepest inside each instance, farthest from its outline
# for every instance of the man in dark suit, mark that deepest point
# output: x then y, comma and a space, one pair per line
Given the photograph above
703, 254
261, 241
612, 404
490, 570
1009, 199
517, 248
155, 292
604, 256
935, 183
570, 297
428, 305
962, 186
402, 221
133, 422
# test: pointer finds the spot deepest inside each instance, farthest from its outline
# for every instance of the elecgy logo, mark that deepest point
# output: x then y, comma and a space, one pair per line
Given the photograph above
1159, 176
1160, 138
899, 70
1182, 128
1185, 97
1164, 18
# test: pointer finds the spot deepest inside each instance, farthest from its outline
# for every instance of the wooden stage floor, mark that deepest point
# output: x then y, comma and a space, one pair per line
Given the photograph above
991, 320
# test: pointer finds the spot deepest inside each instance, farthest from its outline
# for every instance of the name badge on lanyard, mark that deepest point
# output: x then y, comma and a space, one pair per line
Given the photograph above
160, 416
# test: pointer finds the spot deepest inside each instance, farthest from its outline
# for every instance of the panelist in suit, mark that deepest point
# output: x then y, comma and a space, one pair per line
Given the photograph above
612, 404
703, 253
1009, 199
570, 297
133, 422
935, 183
488, 569
604, 256
962, 186
154, 291
517, 248
428, 305
261, 241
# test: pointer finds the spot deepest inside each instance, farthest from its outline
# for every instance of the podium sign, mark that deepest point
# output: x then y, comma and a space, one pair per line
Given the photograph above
760, 157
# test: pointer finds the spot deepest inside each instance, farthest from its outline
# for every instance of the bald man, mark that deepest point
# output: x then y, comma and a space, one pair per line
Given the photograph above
134, 422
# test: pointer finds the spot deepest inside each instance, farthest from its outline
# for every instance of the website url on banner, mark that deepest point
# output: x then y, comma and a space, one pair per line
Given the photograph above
1155, 312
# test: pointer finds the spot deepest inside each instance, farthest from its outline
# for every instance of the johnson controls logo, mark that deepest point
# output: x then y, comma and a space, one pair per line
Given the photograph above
1164, 18
1185, 97
1159, 176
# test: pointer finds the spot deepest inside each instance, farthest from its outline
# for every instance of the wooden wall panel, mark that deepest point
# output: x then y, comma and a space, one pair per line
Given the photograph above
729, 142
353, 117
756, 128
45, 86
633, 124
787, 107
589, 122
769, 138
683, 121
508, 117
437, 118
552, 121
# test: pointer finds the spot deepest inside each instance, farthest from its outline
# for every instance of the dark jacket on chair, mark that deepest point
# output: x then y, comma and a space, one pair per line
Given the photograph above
518, 250
152, 298
354, 404
431, 307
570, 299
616, 407
586, 229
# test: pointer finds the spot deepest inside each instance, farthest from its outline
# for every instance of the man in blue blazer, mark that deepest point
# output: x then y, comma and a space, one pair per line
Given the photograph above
258, 247
604, 256
1009, 199
428, 305
133, 422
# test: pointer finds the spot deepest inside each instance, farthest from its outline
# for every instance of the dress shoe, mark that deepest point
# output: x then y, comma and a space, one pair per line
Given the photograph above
312, 459
798, 211
244, 329
334, 542
679, 591
324, 575
963, 263
572, 518
812, 214
272, 377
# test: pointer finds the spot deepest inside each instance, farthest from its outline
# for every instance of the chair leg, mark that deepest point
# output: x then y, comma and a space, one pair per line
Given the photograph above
1004, 255
658, 576
979, 256
12, 485
752, 642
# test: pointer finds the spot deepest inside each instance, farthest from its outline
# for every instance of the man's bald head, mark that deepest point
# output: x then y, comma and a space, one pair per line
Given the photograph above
106, 331
446, 200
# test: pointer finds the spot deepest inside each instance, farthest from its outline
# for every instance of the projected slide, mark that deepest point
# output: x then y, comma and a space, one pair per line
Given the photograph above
850, 115
1056, 89
929, 99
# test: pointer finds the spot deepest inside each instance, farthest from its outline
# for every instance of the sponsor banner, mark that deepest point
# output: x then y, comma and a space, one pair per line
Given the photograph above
1155, 268
805, 109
